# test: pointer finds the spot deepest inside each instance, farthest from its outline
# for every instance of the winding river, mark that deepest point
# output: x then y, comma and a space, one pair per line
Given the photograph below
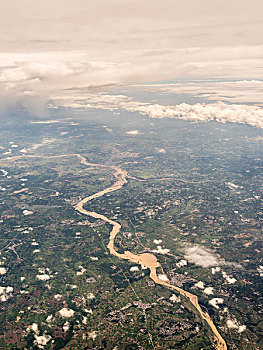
147, 259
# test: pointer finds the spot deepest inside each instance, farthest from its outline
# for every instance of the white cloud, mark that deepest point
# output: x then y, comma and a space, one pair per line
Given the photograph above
200, 256
200, 284
243, 114
157, 241
215, 301
214, 270
90, 296
52, 46
209, 290
242, 328
28, 212
44, 277
6, 293
42, 340
163, 278
229, 280
222, 112
260, 270
2, 270
133, 132
175, 299
238, 91
232, 324
181, 263
161, 250
66, 312
134, 268
93, 335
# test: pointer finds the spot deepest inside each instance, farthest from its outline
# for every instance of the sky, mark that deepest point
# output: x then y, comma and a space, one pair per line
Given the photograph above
55, 50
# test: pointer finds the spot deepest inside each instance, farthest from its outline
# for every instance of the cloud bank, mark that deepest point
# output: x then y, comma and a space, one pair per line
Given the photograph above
51, 47
238, 91
221, 112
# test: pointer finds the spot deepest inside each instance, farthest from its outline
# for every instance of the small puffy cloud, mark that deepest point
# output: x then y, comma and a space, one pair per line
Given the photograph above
42, 340
260, 270
2, 270
229, 280
90, 296
93, 335
66, 312
233, 324
134, 268
209, 290
27, 212
66, 326
214, 270
181, 263
175, 299
242, 328
133, 132
6, 293
57, 296
215, 302
49, 318
43, 277
163, 278
33, 327
94, 258
161, 250
200, 285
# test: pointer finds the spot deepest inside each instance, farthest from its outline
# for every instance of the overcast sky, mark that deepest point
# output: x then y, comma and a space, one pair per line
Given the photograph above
49, 46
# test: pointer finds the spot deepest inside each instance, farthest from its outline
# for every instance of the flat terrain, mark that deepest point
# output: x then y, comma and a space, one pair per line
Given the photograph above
193, 199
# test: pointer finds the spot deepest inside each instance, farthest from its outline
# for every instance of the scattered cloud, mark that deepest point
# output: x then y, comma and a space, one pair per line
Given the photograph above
233, 324
175, 299
161, 250
6, 293
229, 280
